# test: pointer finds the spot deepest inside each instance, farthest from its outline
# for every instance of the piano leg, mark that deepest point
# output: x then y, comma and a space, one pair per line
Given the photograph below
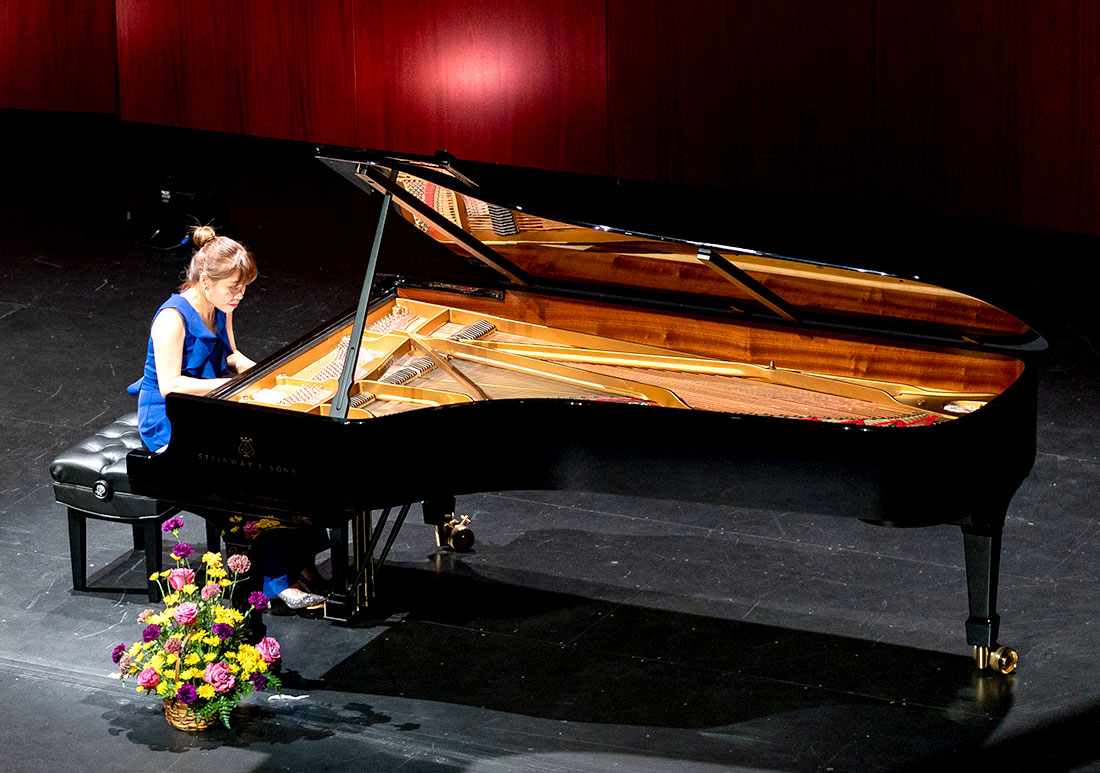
982, 546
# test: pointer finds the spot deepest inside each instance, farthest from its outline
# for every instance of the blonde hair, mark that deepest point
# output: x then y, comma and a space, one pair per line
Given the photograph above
219, 257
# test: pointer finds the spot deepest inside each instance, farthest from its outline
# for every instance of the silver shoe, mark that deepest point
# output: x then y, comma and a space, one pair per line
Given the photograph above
301, 599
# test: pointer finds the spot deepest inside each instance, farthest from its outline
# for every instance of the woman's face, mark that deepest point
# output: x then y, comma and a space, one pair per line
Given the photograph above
226, 293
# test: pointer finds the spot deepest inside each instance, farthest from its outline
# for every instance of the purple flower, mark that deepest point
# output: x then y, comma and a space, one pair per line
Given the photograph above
150, 633
182, 550
259, 681
171, 524
258, 600
222, 630
116, 653
187, 693
239, 563
251, 529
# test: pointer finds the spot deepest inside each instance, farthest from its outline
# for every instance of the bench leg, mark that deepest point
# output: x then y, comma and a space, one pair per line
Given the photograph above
78, 547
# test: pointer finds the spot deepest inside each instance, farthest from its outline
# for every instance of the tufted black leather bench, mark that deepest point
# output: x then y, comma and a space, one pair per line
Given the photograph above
90, 480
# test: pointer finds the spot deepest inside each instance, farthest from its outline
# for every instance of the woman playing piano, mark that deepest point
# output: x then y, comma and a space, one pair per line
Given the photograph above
192, 350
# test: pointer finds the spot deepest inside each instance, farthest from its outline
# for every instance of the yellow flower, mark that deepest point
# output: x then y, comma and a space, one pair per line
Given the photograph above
234, 668
250, 659
172, 658
206, 691
212, 641
171, 600
212, 559
154, 576
225, 615
224, 582
191, 658
157, 662
210, 657
162, 688
134, 650
166, 572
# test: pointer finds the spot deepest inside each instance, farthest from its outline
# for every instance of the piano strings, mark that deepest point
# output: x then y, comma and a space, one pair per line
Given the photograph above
445, 351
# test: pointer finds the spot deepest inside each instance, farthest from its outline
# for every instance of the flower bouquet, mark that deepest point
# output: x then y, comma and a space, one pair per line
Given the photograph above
193, 654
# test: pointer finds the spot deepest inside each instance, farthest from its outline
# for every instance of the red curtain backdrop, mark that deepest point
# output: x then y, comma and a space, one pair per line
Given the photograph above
983, 109
58, 55
515, 81
990, 109
272, 68
773, 97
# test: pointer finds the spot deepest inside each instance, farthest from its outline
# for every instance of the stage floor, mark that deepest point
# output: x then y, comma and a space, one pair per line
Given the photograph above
584, 632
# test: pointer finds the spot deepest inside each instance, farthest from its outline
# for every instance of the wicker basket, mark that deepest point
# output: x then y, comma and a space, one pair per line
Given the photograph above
180, 717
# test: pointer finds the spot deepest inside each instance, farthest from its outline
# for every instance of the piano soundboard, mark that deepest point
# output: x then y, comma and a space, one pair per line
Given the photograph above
415, 354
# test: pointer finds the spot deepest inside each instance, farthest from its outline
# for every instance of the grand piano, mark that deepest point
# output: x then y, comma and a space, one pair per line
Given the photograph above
596, 356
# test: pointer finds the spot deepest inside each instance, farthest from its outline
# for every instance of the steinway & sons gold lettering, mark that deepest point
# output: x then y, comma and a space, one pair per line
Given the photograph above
251, 465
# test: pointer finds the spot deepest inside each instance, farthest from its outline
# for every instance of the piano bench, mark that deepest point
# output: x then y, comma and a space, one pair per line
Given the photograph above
90, 480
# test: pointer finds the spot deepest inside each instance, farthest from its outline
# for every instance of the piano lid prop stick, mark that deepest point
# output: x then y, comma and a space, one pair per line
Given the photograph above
339, 407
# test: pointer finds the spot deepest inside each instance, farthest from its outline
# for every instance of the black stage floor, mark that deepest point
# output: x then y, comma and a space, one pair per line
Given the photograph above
584, 632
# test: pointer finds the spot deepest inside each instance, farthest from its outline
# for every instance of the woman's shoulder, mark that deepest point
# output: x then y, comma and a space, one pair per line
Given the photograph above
175, 301
192, 320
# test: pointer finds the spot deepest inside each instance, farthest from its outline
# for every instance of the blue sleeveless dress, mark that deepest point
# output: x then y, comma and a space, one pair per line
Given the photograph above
204, 356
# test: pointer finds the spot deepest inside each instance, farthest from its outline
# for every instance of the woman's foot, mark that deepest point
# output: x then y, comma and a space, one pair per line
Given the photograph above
312, 581
296, 598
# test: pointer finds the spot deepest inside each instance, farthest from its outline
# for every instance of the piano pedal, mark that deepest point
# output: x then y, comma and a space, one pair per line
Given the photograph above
455, 534
1003, 660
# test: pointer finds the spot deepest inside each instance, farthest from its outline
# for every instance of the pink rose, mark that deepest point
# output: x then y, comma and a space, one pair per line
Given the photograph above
177, 578
217, 675
268, 649
186, 613
149, 679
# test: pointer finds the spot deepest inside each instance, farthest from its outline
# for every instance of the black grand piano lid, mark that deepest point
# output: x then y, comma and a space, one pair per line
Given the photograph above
532, 234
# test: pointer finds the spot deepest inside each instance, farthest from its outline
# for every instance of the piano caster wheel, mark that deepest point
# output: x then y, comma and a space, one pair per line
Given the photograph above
1003, 660
457, 534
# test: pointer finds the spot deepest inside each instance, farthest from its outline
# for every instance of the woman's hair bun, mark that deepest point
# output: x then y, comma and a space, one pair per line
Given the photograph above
201, 234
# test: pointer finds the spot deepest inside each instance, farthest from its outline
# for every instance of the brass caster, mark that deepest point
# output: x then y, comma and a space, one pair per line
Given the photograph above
1003, 660
456, 534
